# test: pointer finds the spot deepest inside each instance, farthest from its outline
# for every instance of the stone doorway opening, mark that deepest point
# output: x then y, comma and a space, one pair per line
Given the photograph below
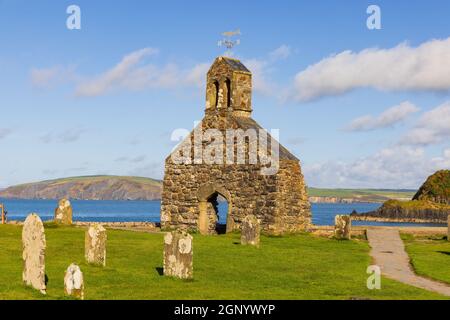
218, 213
215, 211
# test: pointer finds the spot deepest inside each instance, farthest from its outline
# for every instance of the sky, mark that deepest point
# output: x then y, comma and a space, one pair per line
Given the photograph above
360, 107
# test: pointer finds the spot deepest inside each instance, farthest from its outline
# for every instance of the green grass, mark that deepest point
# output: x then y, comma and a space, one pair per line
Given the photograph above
430, 256
292, 267
415, 204
363, 194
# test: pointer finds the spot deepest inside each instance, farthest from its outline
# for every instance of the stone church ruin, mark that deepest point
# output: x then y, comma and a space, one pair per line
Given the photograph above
233, 172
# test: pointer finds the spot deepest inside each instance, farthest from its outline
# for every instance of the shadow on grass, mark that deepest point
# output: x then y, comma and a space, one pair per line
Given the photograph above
444, 252
160, 270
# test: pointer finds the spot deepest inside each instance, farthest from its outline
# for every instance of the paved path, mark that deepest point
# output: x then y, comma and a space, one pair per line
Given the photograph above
388, 252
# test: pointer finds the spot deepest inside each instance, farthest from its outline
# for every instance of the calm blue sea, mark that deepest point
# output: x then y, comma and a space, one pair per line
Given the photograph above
111, 211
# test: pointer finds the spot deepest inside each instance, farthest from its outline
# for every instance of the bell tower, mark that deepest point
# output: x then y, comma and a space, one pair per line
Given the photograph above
228, 88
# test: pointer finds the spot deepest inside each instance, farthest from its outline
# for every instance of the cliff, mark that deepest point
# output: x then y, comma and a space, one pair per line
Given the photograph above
431, 203
407, 211
88, 188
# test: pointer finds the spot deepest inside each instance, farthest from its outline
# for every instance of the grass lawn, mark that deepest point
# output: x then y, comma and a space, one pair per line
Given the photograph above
379, 195
291, 267
430, 256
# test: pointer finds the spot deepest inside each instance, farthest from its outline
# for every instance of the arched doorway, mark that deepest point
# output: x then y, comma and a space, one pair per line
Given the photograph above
215, 210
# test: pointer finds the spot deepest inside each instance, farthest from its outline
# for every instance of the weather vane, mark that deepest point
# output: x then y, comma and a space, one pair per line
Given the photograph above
228, 42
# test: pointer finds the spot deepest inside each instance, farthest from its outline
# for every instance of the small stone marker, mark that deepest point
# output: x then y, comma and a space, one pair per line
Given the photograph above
250, 231
74, 282
342, 227
63, 213
448, 228
34, 244
203, 224
95, 245
178, 254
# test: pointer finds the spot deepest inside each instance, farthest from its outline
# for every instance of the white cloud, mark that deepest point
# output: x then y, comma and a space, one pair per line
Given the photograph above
280, 53
433, 127
388, 118
422, 68
116, 76
133, 73
48, 77
259, 69
4, 132
197, 75
67, 136
396, 167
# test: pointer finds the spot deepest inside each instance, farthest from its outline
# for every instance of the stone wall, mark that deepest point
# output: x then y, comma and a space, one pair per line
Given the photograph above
280, 201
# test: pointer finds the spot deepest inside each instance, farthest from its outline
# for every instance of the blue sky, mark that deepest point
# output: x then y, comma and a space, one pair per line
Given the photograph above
359, 107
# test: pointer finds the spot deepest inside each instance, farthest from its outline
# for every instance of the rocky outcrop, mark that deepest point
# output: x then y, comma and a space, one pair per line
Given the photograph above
88, 188
431, 203
436, 189
402, 213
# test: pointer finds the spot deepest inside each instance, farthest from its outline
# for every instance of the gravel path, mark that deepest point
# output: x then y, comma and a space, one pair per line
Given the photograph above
388, 252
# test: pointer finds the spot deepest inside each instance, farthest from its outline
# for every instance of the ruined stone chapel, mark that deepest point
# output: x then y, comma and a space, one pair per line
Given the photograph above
192, 189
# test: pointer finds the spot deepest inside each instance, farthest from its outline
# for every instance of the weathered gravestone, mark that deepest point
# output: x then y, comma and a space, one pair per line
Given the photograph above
448, 228
34, 244
63, 213
178, 255
95, 245
342, 227
74, 282
250, 231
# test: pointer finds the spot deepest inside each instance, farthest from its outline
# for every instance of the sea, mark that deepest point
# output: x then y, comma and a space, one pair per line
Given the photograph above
148, 211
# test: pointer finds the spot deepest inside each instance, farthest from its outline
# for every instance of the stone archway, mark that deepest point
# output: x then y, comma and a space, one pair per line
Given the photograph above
207, 219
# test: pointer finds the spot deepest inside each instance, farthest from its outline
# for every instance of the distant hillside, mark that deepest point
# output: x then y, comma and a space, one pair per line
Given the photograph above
88, 188
358, 195
436, 188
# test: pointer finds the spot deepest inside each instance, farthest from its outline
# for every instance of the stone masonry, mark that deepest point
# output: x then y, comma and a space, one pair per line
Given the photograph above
34, 244
191, 191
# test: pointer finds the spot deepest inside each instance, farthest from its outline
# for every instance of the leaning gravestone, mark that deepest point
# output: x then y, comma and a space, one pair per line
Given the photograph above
250, 231
342, 227
74, 282
33, 241
178, 255
63, 213
95, 245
